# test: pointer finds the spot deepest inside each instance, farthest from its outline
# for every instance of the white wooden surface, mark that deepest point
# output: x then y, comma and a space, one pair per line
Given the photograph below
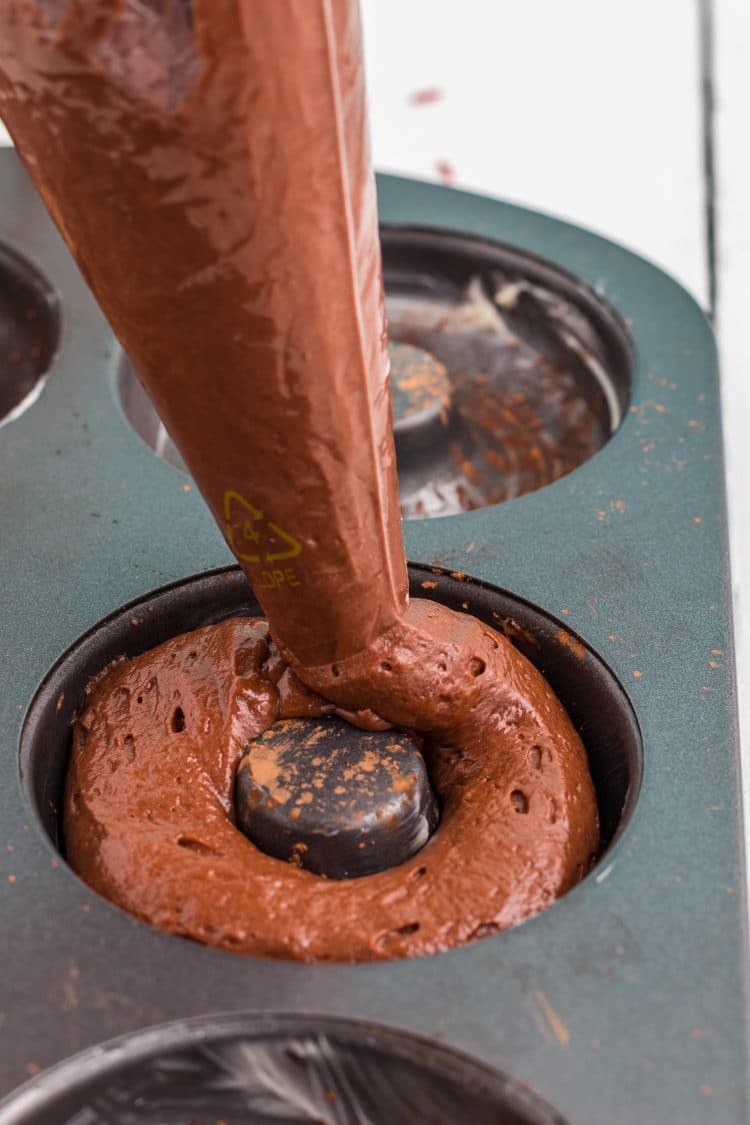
580, 108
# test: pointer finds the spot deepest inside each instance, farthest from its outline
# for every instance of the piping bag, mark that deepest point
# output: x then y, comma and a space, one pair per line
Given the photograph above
207, 163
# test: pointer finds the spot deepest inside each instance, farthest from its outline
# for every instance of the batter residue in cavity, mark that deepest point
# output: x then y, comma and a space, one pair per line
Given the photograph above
530, 398
149, 819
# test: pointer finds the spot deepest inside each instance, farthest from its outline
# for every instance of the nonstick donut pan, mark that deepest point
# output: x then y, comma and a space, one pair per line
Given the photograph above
561, 469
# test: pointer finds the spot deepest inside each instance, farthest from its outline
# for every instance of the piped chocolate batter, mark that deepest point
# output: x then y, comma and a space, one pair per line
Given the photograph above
207, 164
150, 820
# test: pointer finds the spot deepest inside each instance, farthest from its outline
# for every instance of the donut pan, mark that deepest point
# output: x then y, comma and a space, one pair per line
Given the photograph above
624, 1002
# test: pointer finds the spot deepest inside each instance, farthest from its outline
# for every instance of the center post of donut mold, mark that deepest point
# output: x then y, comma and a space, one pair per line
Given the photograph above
335, 799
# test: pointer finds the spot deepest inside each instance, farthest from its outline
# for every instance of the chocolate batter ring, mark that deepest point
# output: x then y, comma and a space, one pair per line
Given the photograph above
149, 820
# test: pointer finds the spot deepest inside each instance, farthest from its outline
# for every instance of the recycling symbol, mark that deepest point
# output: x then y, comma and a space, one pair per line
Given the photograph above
252, 537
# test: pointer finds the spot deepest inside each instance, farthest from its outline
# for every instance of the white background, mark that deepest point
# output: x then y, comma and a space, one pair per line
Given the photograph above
593, 111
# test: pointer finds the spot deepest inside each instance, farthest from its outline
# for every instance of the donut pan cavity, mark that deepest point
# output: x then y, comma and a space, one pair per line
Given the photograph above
29, 334
273, 1068
507, 372
624, 1002
591, 694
